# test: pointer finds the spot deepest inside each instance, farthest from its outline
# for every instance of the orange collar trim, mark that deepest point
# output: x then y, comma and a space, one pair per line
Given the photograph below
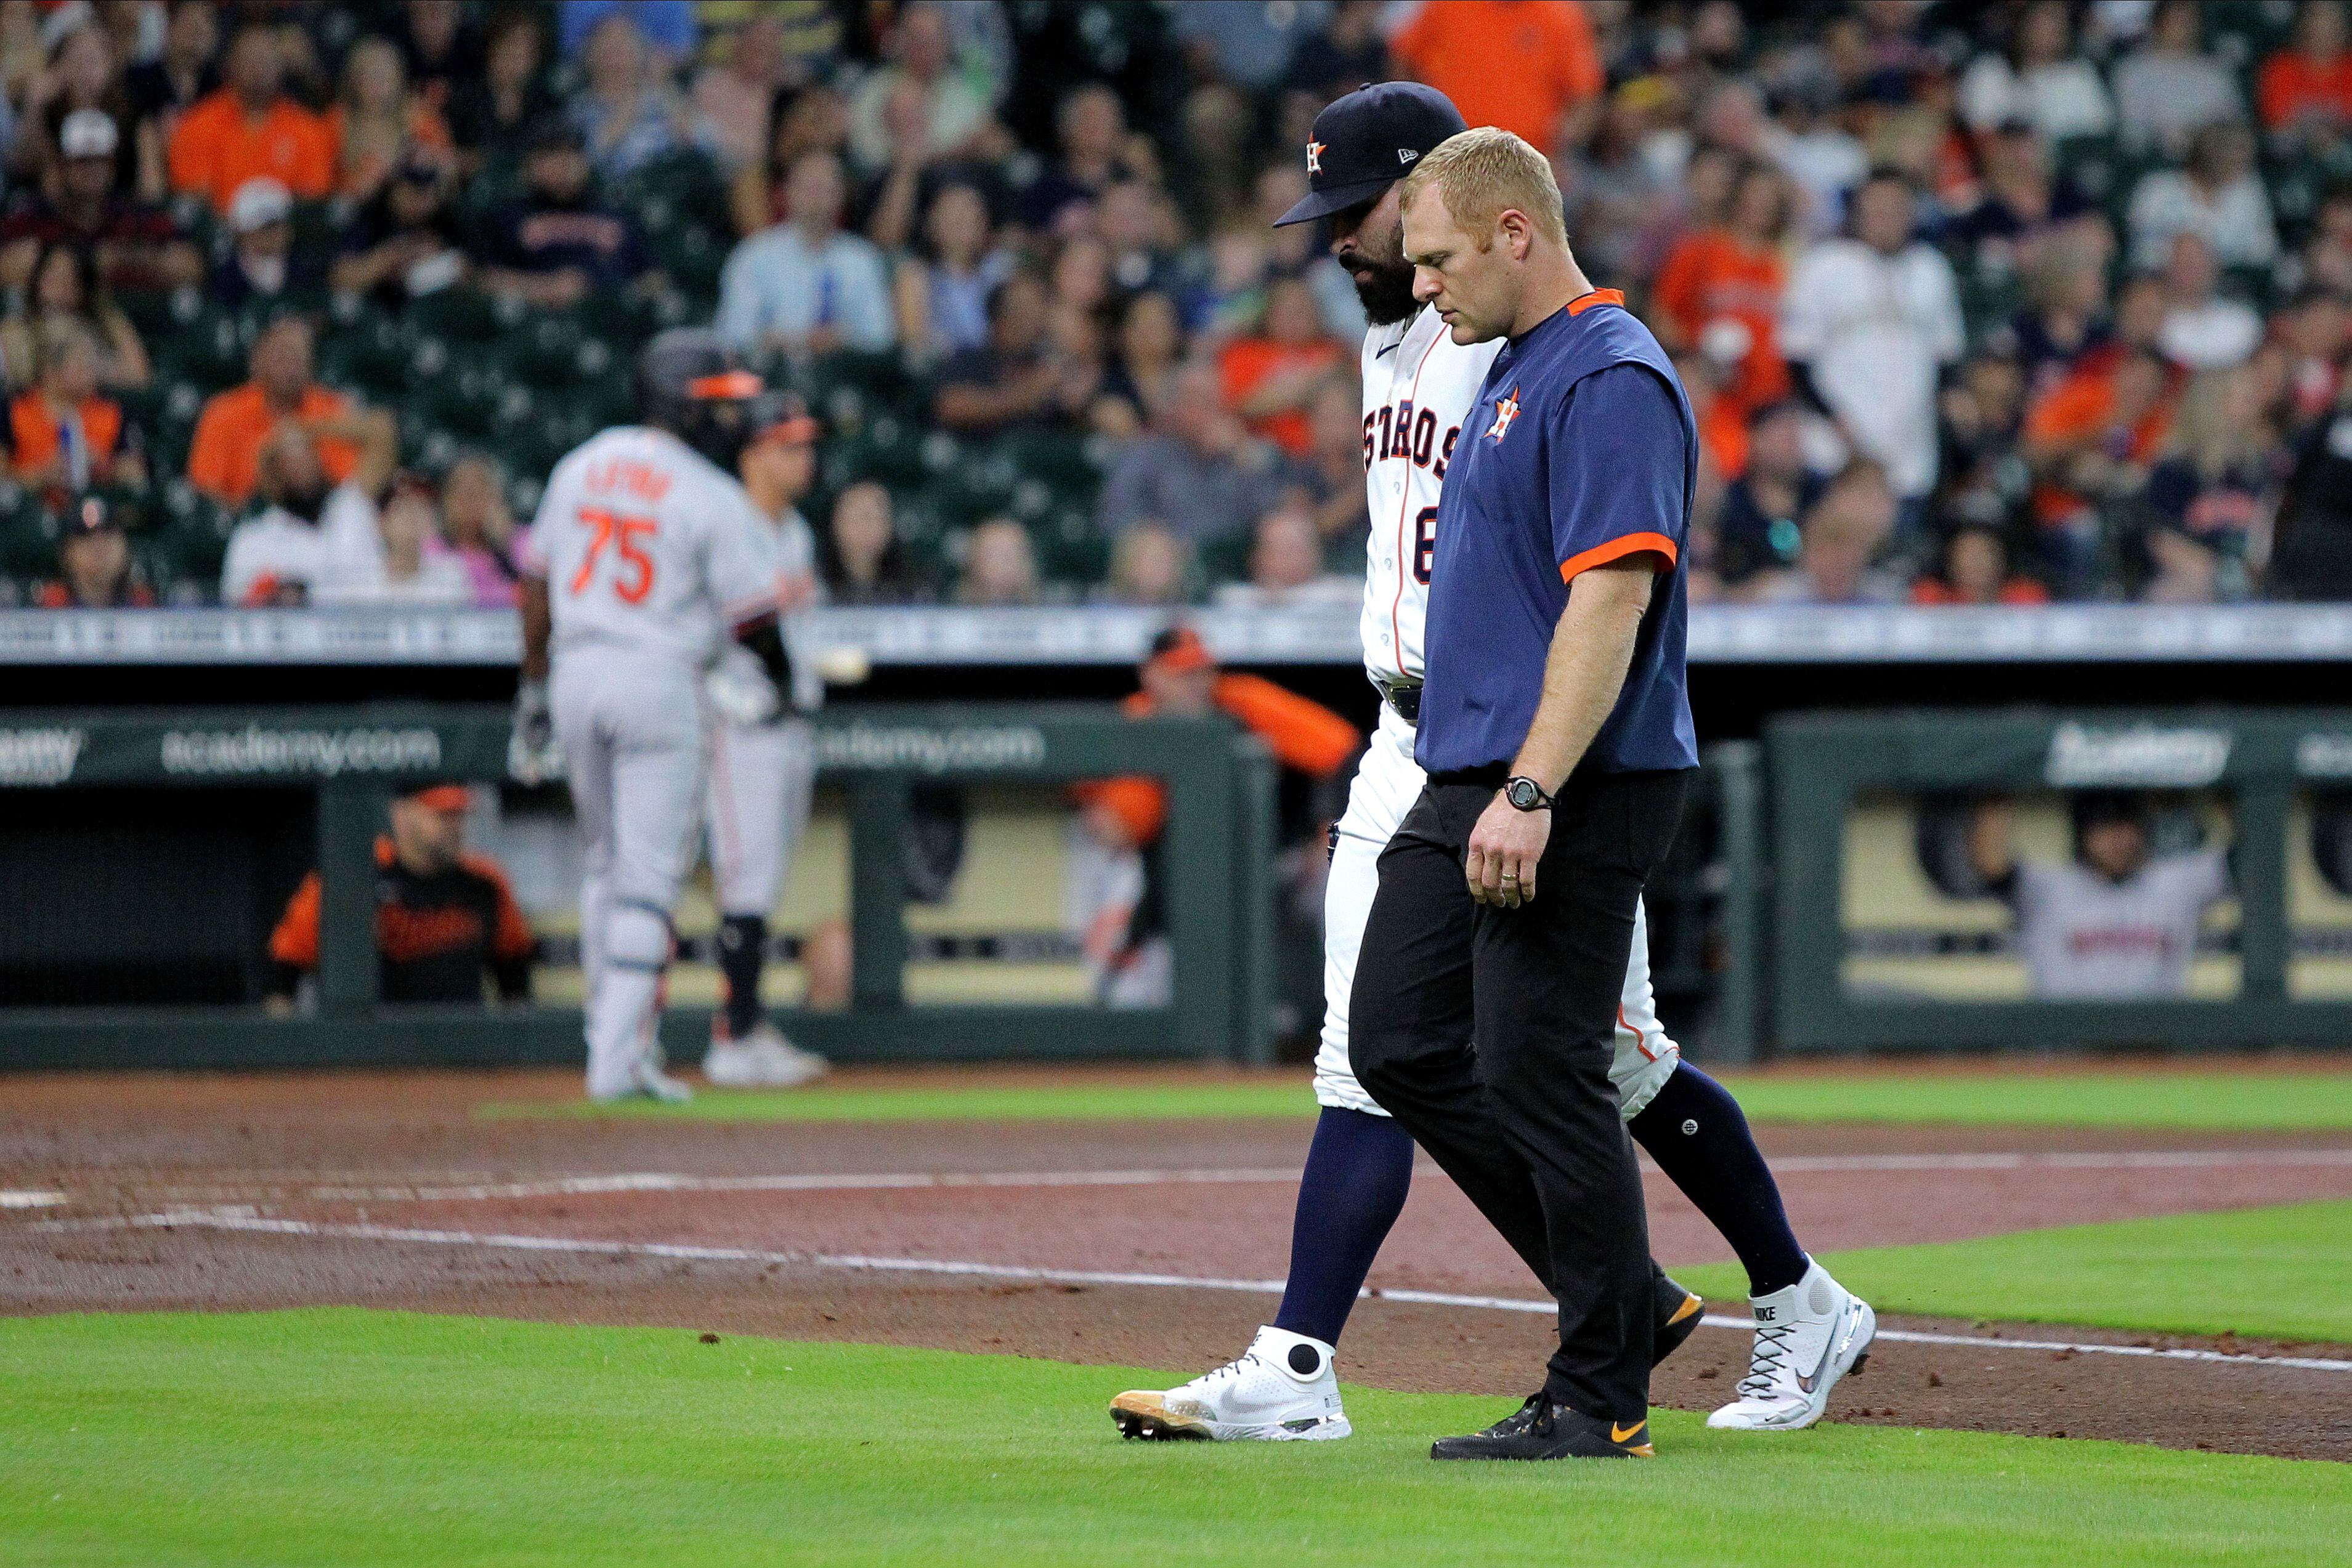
1583, 302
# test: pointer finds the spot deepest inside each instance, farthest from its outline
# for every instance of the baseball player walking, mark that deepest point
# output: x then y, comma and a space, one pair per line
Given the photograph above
762, 771
645, 559
1418, 388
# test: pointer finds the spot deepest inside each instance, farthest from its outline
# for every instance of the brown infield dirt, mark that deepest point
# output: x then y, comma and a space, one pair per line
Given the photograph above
385, 1152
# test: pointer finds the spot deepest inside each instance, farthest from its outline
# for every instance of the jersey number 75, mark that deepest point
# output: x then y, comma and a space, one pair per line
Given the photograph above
635, 578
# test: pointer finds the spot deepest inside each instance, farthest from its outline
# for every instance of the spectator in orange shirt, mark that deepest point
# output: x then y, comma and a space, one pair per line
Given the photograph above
63, 433
1271, 377
250, 127
1975, 571
1531, 66
2091, 442
2306, 90
1719, 291
224, 458
378, 125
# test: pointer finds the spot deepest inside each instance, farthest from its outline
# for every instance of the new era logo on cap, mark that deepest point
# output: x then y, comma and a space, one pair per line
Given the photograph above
1406, 154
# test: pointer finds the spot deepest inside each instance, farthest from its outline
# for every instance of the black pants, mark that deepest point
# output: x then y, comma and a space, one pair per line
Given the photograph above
1488, 1033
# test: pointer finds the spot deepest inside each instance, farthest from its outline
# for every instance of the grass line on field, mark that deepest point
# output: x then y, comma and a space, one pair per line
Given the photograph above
366, 1437
2280, 1272
2206, 1099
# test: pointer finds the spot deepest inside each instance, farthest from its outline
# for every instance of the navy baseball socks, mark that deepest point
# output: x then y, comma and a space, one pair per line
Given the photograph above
1358, 1170
1698, 1135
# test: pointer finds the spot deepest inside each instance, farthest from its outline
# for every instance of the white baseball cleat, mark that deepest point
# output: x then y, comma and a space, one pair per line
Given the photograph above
1282, 1390
763, 1059
1807, 1337
645, 1079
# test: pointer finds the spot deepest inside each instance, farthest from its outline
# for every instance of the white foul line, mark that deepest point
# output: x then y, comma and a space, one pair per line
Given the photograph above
691, 1253
625, 1182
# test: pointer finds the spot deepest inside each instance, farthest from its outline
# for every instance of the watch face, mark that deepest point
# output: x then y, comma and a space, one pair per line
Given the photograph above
1522, 793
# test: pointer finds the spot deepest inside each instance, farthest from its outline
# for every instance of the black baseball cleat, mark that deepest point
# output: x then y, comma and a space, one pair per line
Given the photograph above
1541, 1429
1679, 1312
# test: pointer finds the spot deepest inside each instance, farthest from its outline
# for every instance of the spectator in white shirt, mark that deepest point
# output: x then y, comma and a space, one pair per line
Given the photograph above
2169, 86
312, 543
2219, 195
2202, 329
1867, 325
2040, 80
804, 285
955, 117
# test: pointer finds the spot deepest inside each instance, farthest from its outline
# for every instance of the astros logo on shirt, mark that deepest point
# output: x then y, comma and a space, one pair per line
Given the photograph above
1507, 409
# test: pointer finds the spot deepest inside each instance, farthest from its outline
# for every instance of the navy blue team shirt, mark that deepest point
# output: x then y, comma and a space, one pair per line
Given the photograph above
1580, 450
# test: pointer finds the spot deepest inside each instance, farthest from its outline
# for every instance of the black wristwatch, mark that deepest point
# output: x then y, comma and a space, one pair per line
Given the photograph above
1526, 795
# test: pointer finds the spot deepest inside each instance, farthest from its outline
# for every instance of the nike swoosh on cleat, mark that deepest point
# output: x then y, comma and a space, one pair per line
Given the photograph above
1828, 1348
1691, 1303
1622, 1434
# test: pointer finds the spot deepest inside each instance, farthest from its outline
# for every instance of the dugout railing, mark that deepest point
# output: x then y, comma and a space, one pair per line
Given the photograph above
1217, 861
1818, 766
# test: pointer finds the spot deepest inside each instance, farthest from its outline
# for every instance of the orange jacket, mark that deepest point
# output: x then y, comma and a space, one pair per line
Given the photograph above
1709, 275
1301, 733
1513, 63
402, 936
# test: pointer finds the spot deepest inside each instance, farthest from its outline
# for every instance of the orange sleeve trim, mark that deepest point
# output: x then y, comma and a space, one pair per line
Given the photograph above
1583, 302
295, 943
1617, 549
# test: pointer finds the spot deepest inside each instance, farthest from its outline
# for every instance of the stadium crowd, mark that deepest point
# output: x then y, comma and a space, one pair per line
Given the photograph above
1975, 302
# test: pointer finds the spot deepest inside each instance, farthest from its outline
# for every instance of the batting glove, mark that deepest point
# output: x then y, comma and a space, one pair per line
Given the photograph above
740, 697
532, 756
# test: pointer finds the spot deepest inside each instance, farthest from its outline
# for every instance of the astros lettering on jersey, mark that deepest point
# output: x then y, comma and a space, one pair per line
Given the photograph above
1418, 384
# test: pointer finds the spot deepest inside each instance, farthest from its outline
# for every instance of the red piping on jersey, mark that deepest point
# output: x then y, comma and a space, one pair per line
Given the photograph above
1615, 549
1583, 302
1639, 1043
1396, 602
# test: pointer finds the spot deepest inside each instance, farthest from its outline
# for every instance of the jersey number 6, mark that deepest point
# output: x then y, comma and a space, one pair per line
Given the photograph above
1425, 544
622, 534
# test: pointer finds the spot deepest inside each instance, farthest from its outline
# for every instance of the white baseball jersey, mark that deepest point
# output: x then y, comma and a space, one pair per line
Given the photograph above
791, 560
2085, 936
760, 776
1419, 385
649, 548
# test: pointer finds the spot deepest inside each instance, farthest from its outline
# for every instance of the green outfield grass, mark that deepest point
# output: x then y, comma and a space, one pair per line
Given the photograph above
340, 1435
2275, 1273
2190, 1099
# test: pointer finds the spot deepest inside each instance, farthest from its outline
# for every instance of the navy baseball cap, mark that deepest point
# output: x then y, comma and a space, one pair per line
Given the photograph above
1367, 141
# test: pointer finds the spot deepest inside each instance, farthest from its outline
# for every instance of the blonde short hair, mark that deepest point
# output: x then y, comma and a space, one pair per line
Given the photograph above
1483, 172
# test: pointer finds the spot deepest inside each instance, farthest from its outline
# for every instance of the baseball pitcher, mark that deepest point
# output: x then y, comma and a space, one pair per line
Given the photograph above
1418, 388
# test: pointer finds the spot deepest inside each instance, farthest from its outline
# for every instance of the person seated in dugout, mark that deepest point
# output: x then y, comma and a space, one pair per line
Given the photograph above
1116, 893
444, 917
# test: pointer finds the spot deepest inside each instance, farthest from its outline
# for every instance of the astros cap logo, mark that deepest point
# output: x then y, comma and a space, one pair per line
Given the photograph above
1315, 157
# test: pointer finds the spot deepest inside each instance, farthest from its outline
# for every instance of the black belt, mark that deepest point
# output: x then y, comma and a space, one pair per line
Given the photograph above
1402, 695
